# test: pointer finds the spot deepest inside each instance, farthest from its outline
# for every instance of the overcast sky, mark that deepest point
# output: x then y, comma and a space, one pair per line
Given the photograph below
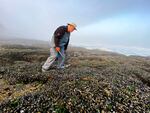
107, 24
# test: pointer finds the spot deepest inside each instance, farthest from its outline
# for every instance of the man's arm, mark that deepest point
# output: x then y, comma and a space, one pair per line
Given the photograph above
58, 34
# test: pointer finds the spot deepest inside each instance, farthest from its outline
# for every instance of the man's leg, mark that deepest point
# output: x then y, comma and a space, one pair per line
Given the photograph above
50, 60
61, 58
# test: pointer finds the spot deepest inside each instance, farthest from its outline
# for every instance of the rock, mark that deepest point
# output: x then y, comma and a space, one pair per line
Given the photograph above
107, 92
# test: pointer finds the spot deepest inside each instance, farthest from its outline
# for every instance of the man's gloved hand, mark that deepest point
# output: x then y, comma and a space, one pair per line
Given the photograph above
57, 49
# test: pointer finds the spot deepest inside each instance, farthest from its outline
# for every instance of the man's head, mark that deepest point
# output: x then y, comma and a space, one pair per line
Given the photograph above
71, 27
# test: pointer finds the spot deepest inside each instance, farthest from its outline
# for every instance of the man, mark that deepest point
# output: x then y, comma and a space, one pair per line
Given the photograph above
58, 46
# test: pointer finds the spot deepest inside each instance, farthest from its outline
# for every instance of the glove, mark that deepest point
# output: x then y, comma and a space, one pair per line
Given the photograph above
57, 49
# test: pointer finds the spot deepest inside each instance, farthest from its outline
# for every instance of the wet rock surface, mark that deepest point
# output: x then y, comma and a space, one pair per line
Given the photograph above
94, 83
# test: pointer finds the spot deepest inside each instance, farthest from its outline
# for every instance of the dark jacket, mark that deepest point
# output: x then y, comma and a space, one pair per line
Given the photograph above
61, 35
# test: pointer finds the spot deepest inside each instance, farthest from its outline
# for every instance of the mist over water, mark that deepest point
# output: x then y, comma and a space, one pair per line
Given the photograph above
119, 49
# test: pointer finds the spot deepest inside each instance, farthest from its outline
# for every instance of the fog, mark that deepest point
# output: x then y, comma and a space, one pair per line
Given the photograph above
100, 23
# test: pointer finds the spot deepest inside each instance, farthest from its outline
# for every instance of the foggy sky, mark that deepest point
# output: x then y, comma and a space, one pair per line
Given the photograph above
103, 22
